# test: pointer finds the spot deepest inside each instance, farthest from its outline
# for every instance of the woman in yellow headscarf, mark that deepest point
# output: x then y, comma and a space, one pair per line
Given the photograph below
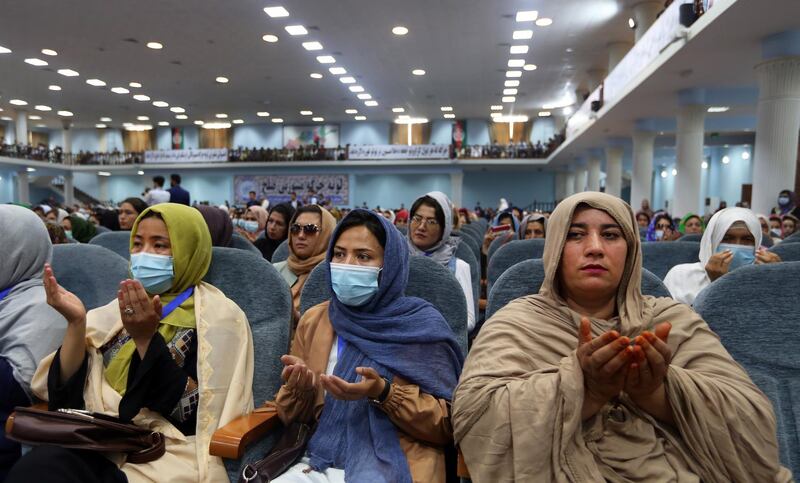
172, 354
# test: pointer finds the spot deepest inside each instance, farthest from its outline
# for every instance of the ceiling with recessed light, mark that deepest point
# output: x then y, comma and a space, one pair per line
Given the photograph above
461, 48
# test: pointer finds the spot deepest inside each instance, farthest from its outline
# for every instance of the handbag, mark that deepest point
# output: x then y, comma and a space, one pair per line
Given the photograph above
78, 429
287, 452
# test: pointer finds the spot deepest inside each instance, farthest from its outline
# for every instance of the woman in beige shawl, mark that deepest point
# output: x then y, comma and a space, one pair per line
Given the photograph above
553, 389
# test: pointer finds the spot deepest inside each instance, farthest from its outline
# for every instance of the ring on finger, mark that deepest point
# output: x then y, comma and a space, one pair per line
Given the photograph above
128, 310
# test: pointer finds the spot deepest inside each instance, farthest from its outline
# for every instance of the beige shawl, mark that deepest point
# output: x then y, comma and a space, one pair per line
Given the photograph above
225, 380
517, 409
302, 268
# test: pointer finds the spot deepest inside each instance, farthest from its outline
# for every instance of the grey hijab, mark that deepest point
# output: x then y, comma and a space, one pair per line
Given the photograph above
29, 328
443, 251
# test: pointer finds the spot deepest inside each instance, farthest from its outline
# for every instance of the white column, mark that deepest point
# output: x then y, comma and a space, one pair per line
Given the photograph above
23, 188
594, 174
569, 184
616, 51
66, 136
8, 136
642, 179
777, 128
69, 189
457, 188
580, 180
22, 126
689, 147
102, 188
645, 13
561, 191
614, 170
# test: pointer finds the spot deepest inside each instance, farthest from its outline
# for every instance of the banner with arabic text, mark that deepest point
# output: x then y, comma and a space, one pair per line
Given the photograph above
399, 151
187, 156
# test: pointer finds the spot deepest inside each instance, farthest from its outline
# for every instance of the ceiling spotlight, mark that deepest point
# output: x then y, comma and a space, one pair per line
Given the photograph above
664, 173
514, 73
36, 62
508, 99
410, 120
95, 82
30, 170
714, 109
312, 45
296, 30
105, 119
277, 120
262, 114
4, 50
449, 115
518, 49
54, 87
516, 62
221, 116
276, 12
119, 90
399, 30
418, 72
371, 103
49, 52
544, 114
529, 67
567, 111
177, 109
18, 102
674, 172
306, 113
141, 97
527, 16
154, 45
497, 107
100, 126
398, 109
270, 38
356, 89
238, 121
347, 80
360, 118
511, 83
337, 70
34, 117
544, 22
522, 34
182, 117
135, 85
364, 96
163, 123
65, 113
726, 159
315, 75
510, 92
160, 104
43, 108
326, 59
446, 108
216, 125
351, 111
142, 118
199, 122
745, 155
318, 119
704, 165
631, 23
68, 72
221, 80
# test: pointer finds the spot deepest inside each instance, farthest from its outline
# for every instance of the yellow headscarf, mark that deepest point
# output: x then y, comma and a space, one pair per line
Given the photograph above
191, 256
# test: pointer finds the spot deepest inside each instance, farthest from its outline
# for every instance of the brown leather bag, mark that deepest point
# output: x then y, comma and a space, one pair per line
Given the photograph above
287, 452
77, 429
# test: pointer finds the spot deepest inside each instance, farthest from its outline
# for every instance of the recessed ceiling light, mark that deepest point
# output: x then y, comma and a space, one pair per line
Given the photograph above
275, 12
356, 89
512, 83
510, 92
351, 111
35, 62
137, 127
296, 30
160, 104
154, 45
135, 85
516, 62
398, 109
38, 125
65, 113
513, 73
34, 117
277, 120
496, 107
527, 15
142, 118
631, 23
54, 87
508, 99
18, 102
318, 119
522, 34
262, 114
529, 67
216, 125
238, 121
569, 50
270, 38
198, 122
364, 96
745, 155
544, 22
306, 113
140, 172
664, 173
410, 120
221, 115
674, 172
163, 123
337, 70
518, 49
704, 165
105, 119
726, 159
449, 116
446, 108
177, 110
347, 80
4, 50
371, 103
315, 75
360, 118
418, 72
399, 30
182, 117
68, 72
141, 97
326, 59
95, 82
49, 52
544, 114
119, 90
43, 108
222, 80
718, 109
6, 118
312, 45
567, 111
100, 126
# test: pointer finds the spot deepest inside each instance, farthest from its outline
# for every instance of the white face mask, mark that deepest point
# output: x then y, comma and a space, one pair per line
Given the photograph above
659, 234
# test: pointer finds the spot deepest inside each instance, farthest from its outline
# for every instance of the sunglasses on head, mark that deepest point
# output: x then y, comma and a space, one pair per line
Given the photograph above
307, 229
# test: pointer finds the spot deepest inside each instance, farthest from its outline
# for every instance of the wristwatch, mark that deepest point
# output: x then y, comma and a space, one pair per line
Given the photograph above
384, 394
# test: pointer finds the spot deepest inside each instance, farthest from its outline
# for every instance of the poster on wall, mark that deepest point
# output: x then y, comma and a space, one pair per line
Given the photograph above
326, 135
279, 188
459, 134
177, 138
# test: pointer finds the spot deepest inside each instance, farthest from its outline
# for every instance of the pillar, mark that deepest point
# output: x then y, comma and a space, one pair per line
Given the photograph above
642, 179
102, 188
66, 136
569, 184
23, 188
616, 51
594, 174
561, 189
457, 188
69, 189
689, 147
22, 126
614, 170
645, 13
580, 180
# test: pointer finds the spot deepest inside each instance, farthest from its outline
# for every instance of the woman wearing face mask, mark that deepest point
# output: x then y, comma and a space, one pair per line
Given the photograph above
732, 239
376, 369
78, 229
533, 226
787, 204
277, 229
429, 236
662, 228
309, 233
253, 222
129, 210
171, 351
553, 389
766, 236
691, 224
775, 227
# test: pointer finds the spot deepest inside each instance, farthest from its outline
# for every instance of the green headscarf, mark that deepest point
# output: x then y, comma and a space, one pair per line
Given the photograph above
682, 225
191, 256
82, 230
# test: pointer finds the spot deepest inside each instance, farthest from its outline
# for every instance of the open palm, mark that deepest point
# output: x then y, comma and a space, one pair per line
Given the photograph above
65, 302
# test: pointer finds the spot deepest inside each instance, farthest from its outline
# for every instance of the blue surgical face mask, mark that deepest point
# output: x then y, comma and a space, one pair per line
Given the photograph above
354, 285
250, 226
68, 233
659, 234
783, 200
742, 255
155, 272
776, 232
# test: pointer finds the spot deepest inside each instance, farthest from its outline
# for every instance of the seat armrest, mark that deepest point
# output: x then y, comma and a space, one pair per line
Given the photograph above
231, 440
461, 470
482, 303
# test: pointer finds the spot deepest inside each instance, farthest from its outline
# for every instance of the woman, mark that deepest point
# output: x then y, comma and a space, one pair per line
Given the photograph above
766, 236
429, 236
533, 226
253, 223
505, 218
29, 328
309, 233
172, 353
401, 219
78, 229
57, 234
464, 217
691, 224
129, 210
732, 239
553, 390
219, 225
376, 369
642, 219
787, 204
775, 227
277, 229
662, 228
788, 226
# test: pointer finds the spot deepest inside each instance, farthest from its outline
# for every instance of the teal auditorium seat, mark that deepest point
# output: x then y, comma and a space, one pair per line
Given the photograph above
789, 252
242, 243
499, 242
282, 252
464, 252
660, 257
116, 241
91, 272
753, 310
509, 255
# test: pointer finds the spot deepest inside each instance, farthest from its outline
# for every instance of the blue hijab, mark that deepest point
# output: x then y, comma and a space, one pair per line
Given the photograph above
395, 335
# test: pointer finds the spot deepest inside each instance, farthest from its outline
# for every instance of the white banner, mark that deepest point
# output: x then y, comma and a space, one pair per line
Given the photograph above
399, 151
176, 156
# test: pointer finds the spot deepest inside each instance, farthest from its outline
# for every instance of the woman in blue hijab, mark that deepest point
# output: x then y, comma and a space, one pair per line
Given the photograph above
375, 368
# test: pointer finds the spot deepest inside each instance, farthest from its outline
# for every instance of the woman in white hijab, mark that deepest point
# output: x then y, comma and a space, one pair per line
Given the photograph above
732, 239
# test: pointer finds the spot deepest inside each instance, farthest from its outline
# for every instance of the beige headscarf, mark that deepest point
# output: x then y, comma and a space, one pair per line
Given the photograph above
302, 268
517, 409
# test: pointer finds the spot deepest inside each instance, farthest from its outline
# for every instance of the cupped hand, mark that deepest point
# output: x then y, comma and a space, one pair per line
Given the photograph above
603, 360
62, 300
370, 386
648, 369
297, 375
718, 264
140, 315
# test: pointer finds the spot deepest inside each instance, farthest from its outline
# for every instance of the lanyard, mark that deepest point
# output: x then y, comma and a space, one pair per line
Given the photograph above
340, 347
5, 292
176, 302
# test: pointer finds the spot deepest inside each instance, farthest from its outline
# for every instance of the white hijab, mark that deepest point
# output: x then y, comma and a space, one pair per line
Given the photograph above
685, 281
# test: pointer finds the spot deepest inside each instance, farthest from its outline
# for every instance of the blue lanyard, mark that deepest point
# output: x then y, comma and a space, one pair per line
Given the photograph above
5, 292
340, 347
176, 302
